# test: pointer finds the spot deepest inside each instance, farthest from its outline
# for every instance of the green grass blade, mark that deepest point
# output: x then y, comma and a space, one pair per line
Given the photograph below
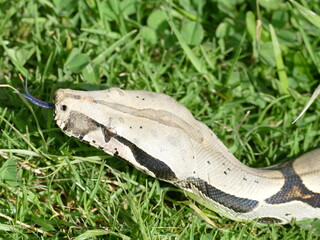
311, 16
101, 57
14, 60
279, 62
198, 64
311, 100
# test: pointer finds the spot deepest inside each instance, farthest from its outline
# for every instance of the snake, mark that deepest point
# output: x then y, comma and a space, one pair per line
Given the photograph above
161, 138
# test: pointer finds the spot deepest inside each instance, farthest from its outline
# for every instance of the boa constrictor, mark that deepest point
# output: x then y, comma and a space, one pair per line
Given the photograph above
160, 137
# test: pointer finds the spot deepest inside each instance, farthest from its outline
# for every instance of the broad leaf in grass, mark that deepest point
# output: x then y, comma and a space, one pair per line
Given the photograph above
157, 21
91, 73
149, 35
76, 61
8, 173
192, 32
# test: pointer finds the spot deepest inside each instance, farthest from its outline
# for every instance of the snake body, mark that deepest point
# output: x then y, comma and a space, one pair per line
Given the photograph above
160, 137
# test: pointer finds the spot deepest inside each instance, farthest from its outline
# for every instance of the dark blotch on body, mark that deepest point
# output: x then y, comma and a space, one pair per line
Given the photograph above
293, 188
237, 204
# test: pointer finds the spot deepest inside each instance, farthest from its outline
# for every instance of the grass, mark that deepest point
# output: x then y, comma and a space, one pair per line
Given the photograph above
244, 69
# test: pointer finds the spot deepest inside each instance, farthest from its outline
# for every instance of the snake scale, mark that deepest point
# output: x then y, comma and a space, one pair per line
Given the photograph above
160, 137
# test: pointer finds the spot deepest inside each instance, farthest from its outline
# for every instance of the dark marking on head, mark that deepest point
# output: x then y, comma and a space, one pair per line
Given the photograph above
158, 167
107, 134
208, 162
225, 172
268, 220
237, 204
293, 189
80, 125
106, 138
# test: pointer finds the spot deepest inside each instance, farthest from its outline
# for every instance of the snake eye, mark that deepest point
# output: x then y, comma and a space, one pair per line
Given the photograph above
63, 107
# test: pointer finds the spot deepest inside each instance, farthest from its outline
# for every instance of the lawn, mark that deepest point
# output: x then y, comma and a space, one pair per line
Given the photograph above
244, 68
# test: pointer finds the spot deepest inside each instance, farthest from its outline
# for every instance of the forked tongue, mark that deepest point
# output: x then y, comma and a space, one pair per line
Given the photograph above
34, 100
